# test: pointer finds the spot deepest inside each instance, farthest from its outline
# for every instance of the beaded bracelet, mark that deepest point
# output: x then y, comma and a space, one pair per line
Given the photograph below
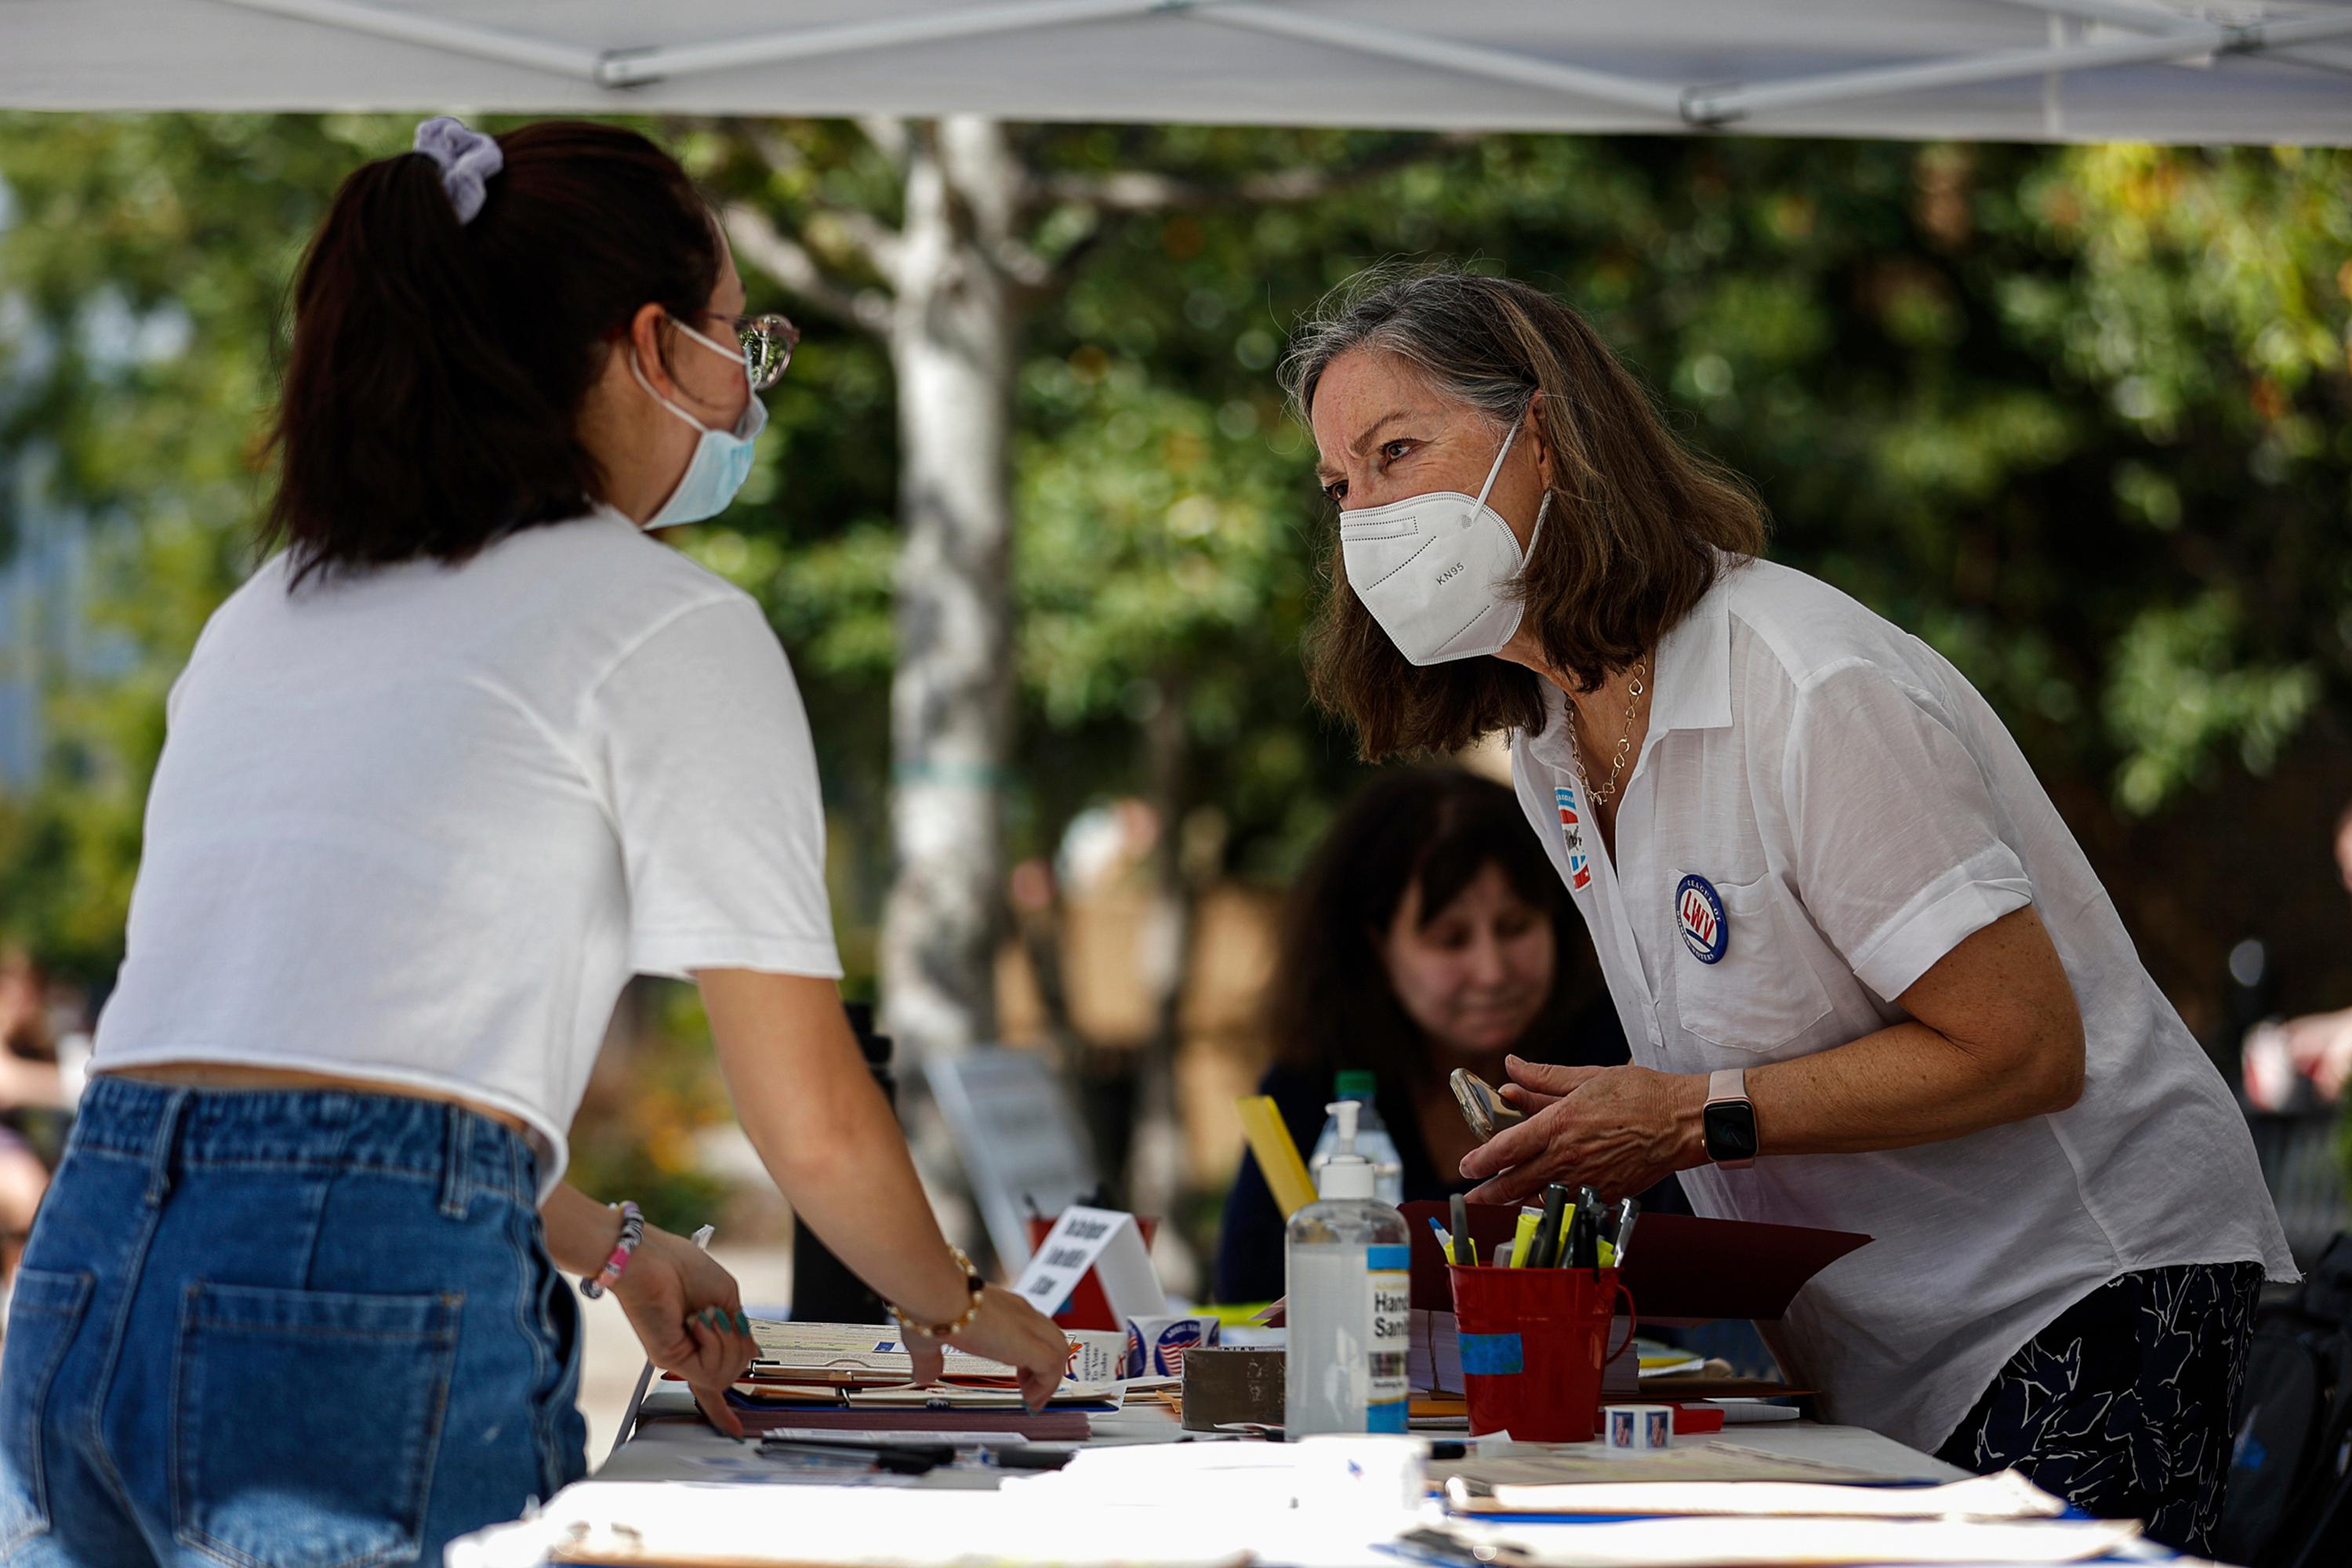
633, 1231
961, 1320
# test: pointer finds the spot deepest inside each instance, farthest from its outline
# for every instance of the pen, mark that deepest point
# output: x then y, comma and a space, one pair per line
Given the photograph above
897, 1458
1457, 1214
1025, 1457
1547, 1243
1443, 1548
1588, 1231
1627, 1212
1444, 1242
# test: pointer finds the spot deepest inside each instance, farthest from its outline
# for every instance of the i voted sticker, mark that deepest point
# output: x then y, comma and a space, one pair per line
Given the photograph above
1700, 913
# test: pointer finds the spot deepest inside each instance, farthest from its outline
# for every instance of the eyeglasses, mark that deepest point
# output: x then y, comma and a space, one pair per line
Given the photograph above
767, 342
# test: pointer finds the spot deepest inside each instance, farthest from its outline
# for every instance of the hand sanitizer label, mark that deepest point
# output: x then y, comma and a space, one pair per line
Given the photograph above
1390, 1339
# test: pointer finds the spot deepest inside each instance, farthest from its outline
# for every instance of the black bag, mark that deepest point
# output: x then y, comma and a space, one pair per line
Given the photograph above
2289, 1501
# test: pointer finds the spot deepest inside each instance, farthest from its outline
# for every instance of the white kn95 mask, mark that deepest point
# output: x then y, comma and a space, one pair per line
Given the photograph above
1435, 569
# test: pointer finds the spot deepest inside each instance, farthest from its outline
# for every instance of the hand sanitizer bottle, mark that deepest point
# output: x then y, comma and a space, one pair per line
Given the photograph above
1348, 1305
1373, 1139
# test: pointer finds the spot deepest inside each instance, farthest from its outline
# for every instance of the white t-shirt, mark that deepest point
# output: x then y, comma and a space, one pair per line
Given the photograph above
1860, 811
419, 824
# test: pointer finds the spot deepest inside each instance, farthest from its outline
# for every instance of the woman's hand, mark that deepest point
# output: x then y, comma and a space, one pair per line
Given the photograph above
1619, 1129
689, 1314
2321, 1049
1006, 1329
809, 1102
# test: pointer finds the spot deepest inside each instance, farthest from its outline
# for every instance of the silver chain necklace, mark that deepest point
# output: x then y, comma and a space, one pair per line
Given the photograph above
1608, 791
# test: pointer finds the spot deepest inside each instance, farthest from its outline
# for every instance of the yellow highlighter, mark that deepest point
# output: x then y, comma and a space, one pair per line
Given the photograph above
1523, 1237
1277, 1155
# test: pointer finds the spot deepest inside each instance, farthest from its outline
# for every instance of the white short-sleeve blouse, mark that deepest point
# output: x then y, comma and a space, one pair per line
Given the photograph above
1860, 810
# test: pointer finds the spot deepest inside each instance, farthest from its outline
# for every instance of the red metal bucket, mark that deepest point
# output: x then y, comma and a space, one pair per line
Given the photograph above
1533, 1343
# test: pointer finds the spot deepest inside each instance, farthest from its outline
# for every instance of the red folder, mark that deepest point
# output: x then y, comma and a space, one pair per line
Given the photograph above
1681, 1267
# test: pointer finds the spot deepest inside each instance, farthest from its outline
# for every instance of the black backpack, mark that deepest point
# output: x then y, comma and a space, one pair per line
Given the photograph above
2289, 1502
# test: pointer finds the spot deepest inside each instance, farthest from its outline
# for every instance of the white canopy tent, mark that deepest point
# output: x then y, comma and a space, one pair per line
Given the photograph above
2163, 70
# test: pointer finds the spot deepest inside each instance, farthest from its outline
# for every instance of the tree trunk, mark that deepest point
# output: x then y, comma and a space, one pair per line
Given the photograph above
1156, 1171
954, 345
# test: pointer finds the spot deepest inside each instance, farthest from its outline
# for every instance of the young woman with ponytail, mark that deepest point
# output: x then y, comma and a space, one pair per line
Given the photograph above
464, 754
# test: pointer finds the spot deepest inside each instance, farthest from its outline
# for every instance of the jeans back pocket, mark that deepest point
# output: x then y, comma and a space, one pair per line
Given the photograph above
305, 1423
43, 1313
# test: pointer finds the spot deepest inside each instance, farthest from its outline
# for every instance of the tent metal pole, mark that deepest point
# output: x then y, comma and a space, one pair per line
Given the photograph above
1719, 106
1658, 97
629, 68
2139, 20
454, 37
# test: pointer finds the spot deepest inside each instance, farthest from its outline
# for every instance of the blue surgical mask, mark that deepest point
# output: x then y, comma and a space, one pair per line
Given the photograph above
722, 458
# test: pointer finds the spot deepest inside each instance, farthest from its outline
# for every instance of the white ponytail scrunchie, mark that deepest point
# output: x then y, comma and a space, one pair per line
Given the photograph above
468, 160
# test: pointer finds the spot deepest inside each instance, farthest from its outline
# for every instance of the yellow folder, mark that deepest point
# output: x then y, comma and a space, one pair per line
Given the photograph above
1277, 1156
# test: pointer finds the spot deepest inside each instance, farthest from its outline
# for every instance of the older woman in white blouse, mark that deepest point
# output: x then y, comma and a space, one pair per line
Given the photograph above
1869, 980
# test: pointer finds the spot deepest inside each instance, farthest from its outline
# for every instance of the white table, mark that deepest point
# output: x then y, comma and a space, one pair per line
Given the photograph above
676, 1469
671, 1437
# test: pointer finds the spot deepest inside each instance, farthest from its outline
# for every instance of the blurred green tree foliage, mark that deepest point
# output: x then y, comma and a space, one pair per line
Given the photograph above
2076, 416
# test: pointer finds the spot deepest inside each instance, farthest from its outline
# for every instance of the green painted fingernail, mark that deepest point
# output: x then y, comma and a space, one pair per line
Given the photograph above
743, 1323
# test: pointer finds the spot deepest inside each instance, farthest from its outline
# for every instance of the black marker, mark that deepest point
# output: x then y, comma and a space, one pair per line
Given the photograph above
1588, 1229
1545, 1250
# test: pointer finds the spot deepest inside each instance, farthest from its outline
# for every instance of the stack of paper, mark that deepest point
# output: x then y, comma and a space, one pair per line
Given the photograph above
855, 1355
1647, 1359
924, 1396
857, 1377
1766, 1542
1059, 1425
2006, 1496
1524, 1470
1714, 1503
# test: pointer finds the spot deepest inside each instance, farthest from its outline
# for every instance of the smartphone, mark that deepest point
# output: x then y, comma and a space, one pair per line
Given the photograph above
1481, 1108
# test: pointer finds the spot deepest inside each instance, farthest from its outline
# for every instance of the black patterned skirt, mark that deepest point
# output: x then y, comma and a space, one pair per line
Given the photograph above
2126, 1404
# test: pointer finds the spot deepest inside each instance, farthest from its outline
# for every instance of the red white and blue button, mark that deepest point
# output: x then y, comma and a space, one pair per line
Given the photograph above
1699, 914
1571, 832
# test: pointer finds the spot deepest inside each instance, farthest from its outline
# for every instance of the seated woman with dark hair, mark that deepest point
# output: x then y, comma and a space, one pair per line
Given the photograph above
1428, 933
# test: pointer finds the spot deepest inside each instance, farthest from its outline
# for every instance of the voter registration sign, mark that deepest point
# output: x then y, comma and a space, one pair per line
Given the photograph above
1103, 1240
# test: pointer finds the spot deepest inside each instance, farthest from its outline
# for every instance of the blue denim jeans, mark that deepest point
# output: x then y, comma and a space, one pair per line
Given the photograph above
282, 1329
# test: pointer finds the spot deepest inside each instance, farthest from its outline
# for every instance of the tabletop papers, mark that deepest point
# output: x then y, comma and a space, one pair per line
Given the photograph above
859, 1355
1057, 1425
1532, 1466
2005, 1496
1766, 1542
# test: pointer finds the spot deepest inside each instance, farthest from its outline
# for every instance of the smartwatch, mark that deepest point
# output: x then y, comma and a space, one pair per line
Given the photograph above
1728, 1121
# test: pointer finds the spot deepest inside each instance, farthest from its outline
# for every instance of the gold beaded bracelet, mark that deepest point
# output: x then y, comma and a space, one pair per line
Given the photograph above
962, 1321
